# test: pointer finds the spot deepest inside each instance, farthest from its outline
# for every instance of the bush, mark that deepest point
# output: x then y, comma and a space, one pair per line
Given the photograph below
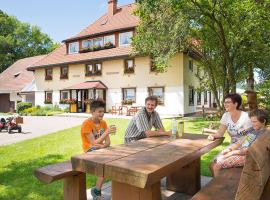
22, 106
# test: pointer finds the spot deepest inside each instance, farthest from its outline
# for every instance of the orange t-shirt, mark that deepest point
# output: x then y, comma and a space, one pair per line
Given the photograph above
88, 127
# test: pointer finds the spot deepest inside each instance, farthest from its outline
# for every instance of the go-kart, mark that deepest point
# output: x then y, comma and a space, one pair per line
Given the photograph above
9, 124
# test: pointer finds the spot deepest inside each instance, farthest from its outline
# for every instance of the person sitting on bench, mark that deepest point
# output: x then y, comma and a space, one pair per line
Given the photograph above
234, 155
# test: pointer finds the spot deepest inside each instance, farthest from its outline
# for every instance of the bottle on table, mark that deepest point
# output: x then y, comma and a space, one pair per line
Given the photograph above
174, 129
180, 129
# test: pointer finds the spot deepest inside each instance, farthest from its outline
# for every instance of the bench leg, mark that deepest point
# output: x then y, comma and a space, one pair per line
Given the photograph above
75, 187
122, 191
187, 179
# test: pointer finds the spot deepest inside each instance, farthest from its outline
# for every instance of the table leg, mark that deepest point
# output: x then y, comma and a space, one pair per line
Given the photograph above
187, 179
122, 191
75, 187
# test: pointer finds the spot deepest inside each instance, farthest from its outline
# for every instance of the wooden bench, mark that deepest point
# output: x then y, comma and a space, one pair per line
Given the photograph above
74, 181
249, 183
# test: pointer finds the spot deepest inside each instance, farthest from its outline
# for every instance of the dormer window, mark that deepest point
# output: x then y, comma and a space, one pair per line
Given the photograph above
109, 39
73, 47
87, 44
125, 38
98, 41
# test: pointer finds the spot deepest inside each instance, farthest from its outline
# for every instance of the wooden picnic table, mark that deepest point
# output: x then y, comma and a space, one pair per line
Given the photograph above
136, 169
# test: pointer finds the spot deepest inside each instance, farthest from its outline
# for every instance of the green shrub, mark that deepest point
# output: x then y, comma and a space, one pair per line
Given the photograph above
22, 106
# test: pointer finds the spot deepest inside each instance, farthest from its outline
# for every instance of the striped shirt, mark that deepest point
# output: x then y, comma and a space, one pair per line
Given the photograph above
140, 123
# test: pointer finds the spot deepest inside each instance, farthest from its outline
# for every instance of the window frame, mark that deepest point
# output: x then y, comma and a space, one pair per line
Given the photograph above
63, 76
205, 97
69, 48
129, 88
190, 65
162, 103
87, 47
94, 71
107, 36
120, 44
199, 100
46, 95
191, 95
128, 70
64, 91
48, 76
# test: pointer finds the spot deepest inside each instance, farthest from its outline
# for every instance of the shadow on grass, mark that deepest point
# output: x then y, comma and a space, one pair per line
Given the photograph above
17, 180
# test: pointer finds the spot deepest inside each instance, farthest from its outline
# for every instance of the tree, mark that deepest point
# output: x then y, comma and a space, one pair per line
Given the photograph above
19, 40
232, 36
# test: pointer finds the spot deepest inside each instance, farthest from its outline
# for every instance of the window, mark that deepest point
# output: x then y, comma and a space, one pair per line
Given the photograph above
93, 69
64, 94
158, 92
205, 97
129, 95
199, 98
125, 38
87, 44
73, 47
98, 41
129, 66
64, 72
48, 97
191, 95
190, 65
48, 74
109, 39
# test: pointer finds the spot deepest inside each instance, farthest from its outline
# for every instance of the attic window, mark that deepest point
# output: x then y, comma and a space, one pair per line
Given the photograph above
17, 74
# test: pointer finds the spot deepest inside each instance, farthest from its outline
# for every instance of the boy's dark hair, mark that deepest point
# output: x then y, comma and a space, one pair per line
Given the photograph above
236, 98
151, 98
262, 115
97, 104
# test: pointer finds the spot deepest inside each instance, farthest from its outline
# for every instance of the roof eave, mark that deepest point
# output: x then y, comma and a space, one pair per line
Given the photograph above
78, 62
96, 34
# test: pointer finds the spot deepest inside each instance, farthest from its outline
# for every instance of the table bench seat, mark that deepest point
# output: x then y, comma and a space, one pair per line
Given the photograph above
74, 181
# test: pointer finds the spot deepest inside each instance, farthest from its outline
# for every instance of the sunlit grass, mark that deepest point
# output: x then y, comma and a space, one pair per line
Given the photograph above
18, 161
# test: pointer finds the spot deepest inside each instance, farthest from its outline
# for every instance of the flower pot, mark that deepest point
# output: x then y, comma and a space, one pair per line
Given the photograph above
88, 108
73, 108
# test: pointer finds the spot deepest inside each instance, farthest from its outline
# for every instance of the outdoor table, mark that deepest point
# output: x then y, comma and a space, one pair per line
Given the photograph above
136, 169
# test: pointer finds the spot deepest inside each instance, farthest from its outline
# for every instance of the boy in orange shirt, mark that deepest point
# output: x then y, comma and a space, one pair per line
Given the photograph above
95, 135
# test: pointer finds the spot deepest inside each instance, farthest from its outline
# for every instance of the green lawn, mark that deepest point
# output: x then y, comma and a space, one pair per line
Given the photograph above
19, 160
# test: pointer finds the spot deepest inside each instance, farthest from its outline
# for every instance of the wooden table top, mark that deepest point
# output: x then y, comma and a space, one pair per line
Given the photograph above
146, 161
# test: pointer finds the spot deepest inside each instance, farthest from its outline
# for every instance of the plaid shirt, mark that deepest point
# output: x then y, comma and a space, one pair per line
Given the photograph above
140, 123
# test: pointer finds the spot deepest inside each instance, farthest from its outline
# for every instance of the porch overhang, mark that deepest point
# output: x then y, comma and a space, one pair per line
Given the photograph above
87, 85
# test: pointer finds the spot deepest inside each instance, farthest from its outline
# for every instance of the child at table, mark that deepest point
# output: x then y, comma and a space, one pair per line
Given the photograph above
235, 155
95, 135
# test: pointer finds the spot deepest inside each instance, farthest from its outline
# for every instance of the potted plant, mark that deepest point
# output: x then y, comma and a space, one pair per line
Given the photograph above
88, 102
63, 104
109, 45
73, 105
127, 102
48, 101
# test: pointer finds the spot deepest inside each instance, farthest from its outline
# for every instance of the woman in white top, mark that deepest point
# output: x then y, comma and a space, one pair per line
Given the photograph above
234, 120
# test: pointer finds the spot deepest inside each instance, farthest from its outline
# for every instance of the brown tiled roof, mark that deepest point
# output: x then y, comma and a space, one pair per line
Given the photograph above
122, 19
59, 56
8, 79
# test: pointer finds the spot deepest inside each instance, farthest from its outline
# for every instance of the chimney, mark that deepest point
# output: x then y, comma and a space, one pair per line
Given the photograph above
112, 7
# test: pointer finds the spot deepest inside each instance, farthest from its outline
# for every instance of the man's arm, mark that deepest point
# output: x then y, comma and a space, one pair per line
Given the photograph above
160, 132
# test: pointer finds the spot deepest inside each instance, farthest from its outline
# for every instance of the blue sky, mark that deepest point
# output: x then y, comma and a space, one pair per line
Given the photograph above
60, 19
